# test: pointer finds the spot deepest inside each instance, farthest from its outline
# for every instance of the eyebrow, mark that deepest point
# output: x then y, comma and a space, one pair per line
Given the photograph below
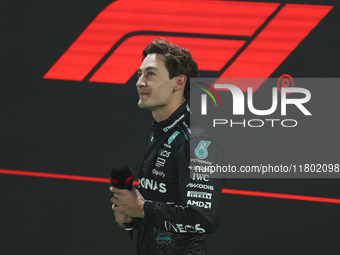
148, 68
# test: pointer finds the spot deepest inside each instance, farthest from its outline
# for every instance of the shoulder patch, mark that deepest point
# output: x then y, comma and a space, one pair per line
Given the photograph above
201, 150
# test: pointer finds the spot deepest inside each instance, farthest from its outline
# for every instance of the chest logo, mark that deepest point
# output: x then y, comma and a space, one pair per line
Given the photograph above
172, 137
201, 150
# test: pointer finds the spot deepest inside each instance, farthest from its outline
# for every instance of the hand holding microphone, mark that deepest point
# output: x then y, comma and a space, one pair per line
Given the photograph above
127, 200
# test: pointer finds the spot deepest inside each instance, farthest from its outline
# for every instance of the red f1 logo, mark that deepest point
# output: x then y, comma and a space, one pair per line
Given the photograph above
236, 39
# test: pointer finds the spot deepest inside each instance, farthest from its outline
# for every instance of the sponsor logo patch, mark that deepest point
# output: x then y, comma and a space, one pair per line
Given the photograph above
182, 228
198, 194
160, 173
164, 238
172, 137
201, 150
152, 185
200, 186
205, 205
160, 162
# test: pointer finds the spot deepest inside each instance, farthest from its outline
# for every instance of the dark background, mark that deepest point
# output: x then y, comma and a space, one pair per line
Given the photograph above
83, 128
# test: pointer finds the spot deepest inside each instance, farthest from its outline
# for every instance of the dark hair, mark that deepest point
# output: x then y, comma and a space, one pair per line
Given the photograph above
177, 60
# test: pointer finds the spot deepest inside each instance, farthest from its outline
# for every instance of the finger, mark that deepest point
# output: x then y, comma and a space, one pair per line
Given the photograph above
122, 218
115, 208
121, 224
134, 190
115, 196
117, 214
115, 200
115, 190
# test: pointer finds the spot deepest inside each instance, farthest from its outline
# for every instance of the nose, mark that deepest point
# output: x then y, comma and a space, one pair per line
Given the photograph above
141, 82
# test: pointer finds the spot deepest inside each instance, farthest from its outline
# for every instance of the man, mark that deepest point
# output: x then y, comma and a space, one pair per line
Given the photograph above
173, 212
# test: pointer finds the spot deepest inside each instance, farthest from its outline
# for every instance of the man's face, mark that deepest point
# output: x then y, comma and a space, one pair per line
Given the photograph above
154, 86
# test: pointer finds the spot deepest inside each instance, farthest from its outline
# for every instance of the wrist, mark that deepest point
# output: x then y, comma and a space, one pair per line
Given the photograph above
142, 210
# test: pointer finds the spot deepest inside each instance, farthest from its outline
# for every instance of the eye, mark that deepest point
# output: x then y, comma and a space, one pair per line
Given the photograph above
139, 75
150, 73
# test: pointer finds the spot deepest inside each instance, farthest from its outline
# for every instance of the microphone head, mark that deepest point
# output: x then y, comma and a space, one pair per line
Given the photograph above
121, 176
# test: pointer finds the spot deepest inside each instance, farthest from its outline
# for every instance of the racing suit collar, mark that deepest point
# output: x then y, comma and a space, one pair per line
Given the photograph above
176, 118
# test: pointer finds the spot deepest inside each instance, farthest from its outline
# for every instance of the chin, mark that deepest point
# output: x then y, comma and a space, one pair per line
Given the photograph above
143, 105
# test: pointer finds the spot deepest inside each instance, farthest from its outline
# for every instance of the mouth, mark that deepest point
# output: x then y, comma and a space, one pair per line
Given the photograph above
143, 94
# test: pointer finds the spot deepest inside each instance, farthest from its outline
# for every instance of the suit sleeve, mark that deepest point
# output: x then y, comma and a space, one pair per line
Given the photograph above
200, 194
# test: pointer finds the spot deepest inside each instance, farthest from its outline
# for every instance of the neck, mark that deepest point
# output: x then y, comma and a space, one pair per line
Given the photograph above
164, 113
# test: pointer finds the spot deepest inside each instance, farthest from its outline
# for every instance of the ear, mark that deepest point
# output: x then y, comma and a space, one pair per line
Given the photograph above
180, 82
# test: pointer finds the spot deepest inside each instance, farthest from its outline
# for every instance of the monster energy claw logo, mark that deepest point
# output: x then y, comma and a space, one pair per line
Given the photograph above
201, 150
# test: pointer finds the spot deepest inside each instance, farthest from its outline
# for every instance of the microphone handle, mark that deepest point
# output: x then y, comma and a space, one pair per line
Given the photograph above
129, 229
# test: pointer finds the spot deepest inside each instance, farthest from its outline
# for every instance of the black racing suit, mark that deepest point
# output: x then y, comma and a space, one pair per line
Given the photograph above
180, 211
